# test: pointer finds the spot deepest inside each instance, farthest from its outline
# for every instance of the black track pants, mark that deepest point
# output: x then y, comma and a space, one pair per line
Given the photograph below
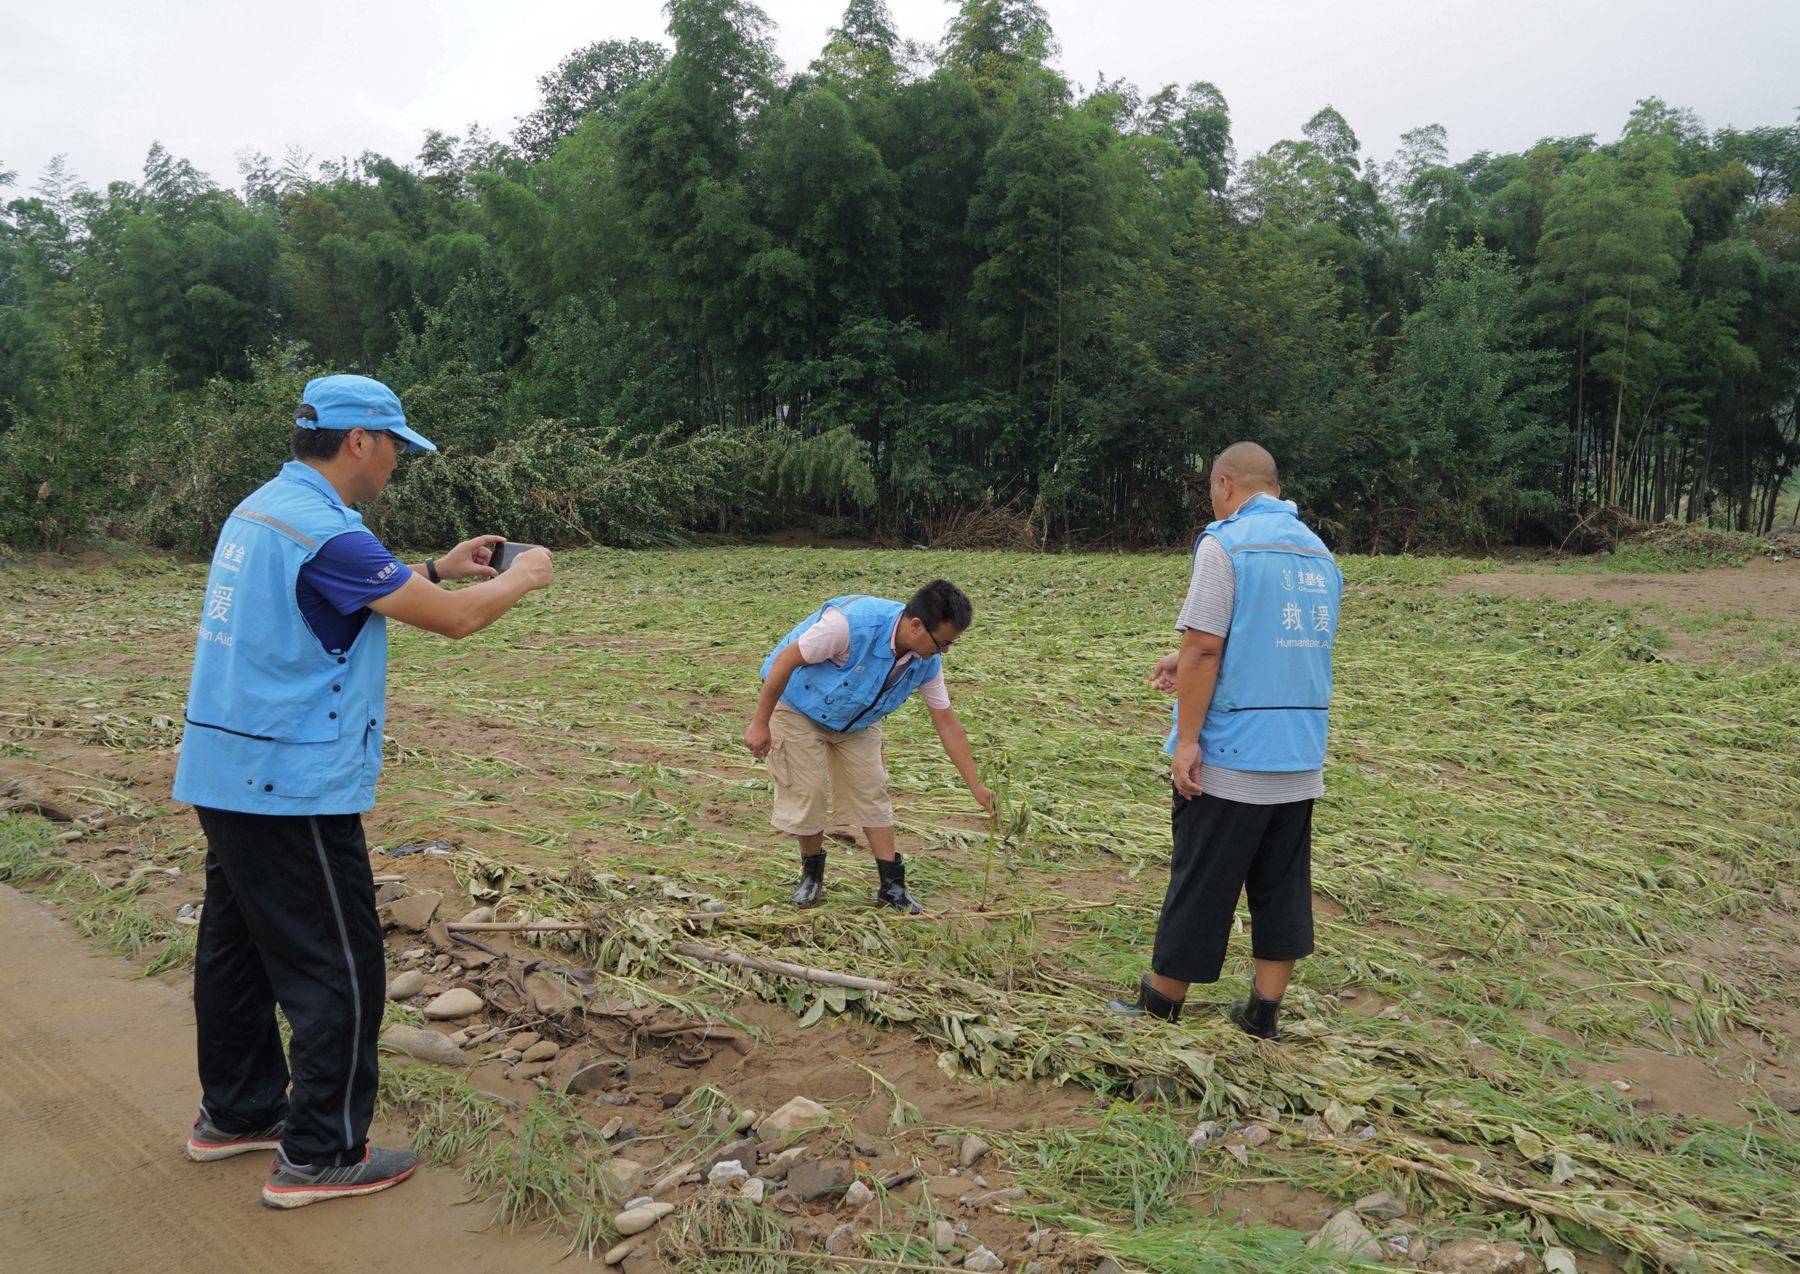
290, 920
1224, 849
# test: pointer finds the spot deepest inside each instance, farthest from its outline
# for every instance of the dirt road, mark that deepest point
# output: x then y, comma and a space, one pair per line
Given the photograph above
1766, 589
96, 1093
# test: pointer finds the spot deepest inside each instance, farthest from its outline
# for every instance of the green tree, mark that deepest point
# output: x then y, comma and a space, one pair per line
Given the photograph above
1472, 431
1608, 263
592, 80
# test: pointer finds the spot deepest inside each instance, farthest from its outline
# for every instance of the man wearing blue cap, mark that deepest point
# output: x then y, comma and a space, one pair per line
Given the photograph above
280, 757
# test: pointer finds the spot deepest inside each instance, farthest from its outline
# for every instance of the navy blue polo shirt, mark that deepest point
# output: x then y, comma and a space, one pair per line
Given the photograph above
344, 576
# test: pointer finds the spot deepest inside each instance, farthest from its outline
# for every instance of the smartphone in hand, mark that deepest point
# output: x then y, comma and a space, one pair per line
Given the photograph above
503, 555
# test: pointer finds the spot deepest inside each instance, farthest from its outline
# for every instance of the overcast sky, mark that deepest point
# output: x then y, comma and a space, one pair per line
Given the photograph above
99, 80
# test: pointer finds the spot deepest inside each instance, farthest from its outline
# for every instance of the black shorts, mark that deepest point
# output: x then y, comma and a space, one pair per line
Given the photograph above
1224, 848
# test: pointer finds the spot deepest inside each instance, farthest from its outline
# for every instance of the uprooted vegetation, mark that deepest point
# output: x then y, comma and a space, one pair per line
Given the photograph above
1554, 1000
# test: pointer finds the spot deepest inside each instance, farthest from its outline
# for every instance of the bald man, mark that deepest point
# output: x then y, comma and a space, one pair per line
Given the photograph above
1253, 686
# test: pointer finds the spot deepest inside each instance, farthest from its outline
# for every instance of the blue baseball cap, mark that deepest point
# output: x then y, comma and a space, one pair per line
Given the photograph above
357, 402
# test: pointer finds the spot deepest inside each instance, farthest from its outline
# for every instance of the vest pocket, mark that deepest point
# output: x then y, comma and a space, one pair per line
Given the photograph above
371, 753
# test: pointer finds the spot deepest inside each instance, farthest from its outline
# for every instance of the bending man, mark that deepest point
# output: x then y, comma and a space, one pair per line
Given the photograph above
1253, 686
826, 688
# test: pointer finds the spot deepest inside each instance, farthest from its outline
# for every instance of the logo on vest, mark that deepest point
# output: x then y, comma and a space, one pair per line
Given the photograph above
218, 602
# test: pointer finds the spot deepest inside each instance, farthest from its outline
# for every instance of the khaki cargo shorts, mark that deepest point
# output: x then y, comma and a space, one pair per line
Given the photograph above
804, 757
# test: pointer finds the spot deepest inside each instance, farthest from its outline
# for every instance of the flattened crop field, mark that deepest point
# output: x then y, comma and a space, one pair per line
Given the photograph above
1555, 1002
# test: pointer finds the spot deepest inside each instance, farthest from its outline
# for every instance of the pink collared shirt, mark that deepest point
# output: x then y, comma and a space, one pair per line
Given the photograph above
830, 639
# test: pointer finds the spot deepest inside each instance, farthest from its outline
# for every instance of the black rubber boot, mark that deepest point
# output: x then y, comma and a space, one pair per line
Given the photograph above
1256, 1016
812, 880
892, 890
1150, 1002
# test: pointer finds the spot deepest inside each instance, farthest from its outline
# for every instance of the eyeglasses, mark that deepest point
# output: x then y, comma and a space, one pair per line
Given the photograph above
942, 646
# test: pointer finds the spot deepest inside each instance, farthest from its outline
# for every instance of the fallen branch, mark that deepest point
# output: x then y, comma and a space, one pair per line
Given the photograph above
782, 967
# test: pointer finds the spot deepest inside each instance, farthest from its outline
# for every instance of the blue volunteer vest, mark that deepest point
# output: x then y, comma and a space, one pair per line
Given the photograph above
851, 698
1270, 707
276, 723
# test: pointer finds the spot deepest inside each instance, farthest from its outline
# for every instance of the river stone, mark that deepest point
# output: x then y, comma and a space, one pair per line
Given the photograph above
752, 1191
637, 1220
422, 1045
982, 1259
974, 1149
454, 1003
577, 1072
479, 916
625, 1176
1205, 1133
619, 1251
799, 1114
727, 1175
542, 1051
406, 985
857, 1195
1345, 1235
1383, 1206
742, 1150
783, 1163
943, 1236
818, 1180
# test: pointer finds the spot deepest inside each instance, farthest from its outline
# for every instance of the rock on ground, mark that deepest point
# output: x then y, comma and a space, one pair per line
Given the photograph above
783, 1163
727, 1175
813, 1179
974, 1150
455, 1003
1469, 1256
742, 1150
1346, 1235
799, 1114
982, 1259
406, 985
637, 1220
626, 1176
1383, 1206
857, 1195
422, 1045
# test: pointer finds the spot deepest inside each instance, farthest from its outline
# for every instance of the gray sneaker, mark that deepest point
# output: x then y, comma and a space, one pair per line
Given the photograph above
294, 1185
208, 1141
